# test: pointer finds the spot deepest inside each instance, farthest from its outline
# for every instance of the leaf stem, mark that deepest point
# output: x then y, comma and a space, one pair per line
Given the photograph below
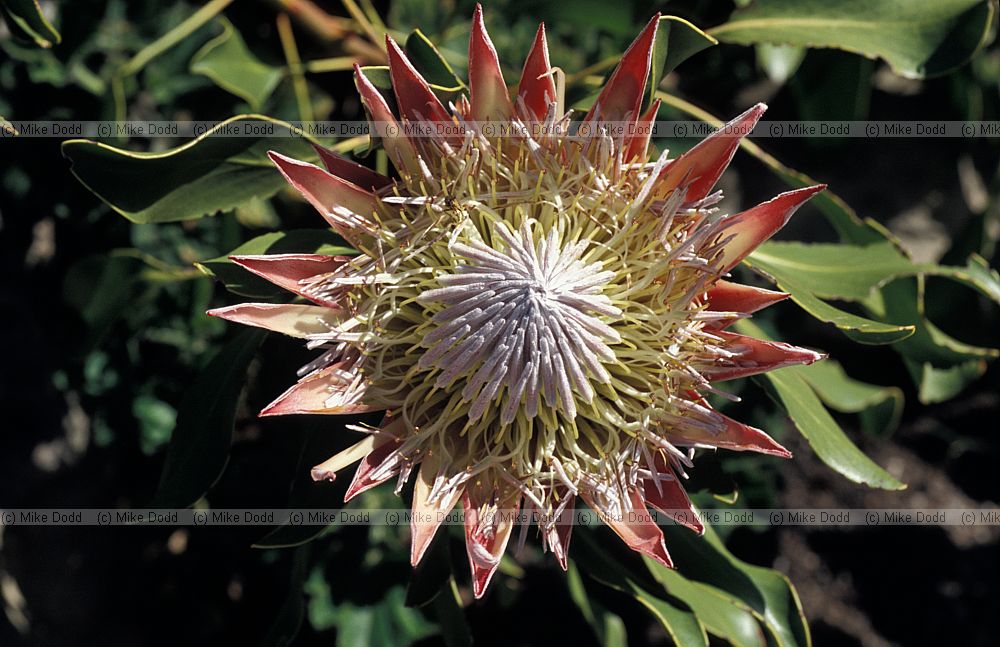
174, 36
295, 68
366, 25
335, 64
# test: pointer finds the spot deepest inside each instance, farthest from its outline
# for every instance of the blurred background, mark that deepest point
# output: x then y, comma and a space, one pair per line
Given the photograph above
104, 334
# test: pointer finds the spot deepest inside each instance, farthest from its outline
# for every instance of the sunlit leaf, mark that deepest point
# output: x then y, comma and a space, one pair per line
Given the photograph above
789, 388
609, 565
811, 273
879, 407
226, 60
916, 37
766, 593
721, 615
210, 174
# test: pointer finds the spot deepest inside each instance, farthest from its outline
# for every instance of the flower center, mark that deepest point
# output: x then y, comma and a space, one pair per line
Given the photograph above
520, 325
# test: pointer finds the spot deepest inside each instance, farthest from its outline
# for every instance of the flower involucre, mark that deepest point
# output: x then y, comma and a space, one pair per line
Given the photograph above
538, 314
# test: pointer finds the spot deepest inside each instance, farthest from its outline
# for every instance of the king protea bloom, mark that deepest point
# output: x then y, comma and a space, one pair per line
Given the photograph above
539, 315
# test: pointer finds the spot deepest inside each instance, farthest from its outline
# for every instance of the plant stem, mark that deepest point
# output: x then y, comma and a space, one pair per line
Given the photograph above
295, 70
174, 36
336, 64
362, 20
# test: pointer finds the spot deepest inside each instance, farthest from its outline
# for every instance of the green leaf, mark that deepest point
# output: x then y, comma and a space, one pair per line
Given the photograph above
832, 85
832, 271
977, 274
813, 272
380, 78
768, 594
429, 62
789, 388
298, 241
918, 38
826, 438
226, 60
210, 174
25, 17
609, 565
941, 384
901, 302
880, 407
722, 616
199, 447
676, 41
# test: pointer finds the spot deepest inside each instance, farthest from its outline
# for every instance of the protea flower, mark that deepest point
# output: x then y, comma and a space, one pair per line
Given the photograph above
539, 315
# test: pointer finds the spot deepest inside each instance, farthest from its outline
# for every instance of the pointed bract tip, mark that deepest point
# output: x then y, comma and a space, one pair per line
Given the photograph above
658, 551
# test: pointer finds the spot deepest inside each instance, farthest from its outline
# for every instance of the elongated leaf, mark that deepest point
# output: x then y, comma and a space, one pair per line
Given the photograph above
977, 274
298, 241
825, 437
199, 447
901, 302
809, 272
602, 563
25, 17
767, 593
210, 174
879, 406
676, 41
941, 384
226, 60
833, 271
941, 366
789, 388
917, 38
721, 615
